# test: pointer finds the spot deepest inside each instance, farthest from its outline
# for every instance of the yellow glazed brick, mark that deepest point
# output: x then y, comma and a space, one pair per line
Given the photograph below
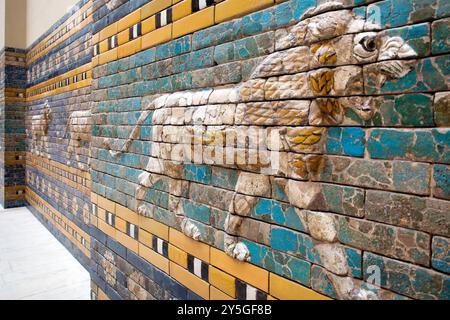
247, 272
129, 20
154, 6
102, 296
145, 237
106, 204
217, 295
230, 9
103, 46
156, 37
193, 22
129, 48
148, 25
181, 10
284, 289
178, 256
101, 213
106, 228
154, 227
95, 38
121, 225
222, 281
127, 214
109, 56
154, 258
127, 241
93, 198
195, 248
189, 280
123, 37
108, 31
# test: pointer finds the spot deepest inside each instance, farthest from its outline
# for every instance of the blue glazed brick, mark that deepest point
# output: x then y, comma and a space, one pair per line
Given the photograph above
112, 294
440, 259
407, 279
196, 211
224, 32
192, 296
416, 36
346, 141
394, 13
279, 263
224, 178
279, 213
258, 22
173, 48
244, 48
428, 145
321, 282
441, 177
197, 173
143, 58
411, 177
284, 240
354, 261
301, 6
430, 74
440, 32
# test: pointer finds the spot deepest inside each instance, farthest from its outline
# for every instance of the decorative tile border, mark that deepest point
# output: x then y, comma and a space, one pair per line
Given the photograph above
163, 20
196, 265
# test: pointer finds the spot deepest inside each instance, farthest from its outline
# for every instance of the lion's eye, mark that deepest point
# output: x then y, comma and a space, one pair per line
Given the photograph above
368, 43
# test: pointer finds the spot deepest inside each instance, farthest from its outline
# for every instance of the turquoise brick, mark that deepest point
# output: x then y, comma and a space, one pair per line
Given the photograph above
133, 174
429, 145
407, 279
278, 262
158, 198
441, 177
196, 211
346, 141
441, 42
146, 133
409, 110
411, 177
143, 58
284, 240
277, 212
440, 259
301, 6
197, 173
354, 261
259, 22
224, 178
201, 59
430, 74
321, 282
396, 13
416, 36
131, 104
173, 48
443, 9
164, 216
180, 82
224, 32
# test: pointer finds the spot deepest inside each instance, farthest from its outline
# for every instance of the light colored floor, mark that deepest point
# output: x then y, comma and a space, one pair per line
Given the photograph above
34, 265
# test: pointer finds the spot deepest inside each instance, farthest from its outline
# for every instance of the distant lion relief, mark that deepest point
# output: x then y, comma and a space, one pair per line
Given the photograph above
39, 131
275, 123
79, 127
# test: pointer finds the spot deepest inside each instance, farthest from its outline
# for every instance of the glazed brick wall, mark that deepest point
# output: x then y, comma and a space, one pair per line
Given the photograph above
354, 193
